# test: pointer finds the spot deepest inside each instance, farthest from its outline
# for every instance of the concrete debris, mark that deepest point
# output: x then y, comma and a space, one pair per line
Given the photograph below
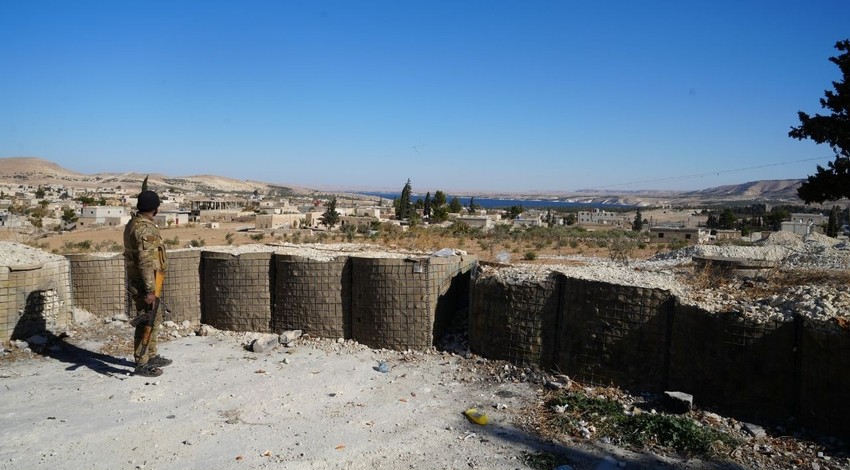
207, 330
674, 272
81, 316
264, 344
289, 336
678, 402
754, 430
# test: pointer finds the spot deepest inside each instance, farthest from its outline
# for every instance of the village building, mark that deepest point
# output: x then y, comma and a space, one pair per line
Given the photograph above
484, 223
171, 218
103, 215
276, 221
719, 235
601, 217
690, 235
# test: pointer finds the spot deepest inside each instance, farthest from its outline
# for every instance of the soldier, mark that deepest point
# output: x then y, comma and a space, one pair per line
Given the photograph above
144, 259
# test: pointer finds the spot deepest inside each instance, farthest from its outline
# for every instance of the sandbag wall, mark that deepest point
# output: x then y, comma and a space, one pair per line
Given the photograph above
313, 296
236, 290
34, 298
182, 288
729, 361
514, 321
98, 283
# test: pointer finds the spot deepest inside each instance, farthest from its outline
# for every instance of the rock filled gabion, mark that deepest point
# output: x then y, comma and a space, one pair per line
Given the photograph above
673, 271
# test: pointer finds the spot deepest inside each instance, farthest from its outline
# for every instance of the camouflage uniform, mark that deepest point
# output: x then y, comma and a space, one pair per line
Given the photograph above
144, 255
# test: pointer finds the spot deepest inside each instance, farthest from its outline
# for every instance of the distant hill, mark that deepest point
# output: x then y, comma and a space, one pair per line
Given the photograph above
37, 171
785, 190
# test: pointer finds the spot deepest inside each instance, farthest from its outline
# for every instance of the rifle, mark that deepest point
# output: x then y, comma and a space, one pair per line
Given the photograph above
151, 315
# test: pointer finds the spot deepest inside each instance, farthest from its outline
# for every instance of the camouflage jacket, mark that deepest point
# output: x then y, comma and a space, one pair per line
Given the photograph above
144, 252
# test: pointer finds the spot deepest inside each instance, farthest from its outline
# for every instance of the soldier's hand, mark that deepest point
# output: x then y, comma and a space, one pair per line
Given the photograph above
150, 298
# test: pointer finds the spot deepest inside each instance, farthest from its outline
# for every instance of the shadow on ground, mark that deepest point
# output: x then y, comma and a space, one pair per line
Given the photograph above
59, 349
546, 454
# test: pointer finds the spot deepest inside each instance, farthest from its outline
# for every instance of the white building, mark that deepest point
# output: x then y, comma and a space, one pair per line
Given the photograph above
275, 221
601, 217
171, 218
103, 215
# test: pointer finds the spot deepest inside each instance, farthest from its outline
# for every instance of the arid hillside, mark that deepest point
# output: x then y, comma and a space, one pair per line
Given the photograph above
37, 171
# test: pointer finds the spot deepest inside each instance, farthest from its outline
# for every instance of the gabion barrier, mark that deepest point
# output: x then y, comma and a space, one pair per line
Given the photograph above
611, 334
514, 322
34, 298
391, 303
313, 296
182, 287
723, 359
824, 375
448, 279
98, 283
236, 291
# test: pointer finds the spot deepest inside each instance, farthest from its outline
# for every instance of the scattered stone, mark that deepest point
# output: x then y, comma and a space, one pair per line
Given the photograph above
678, 402
289, 336
264, 344
185, 324
81, 316
754, 430
169, 324
122, 317
207, 330
20, 344
554, 385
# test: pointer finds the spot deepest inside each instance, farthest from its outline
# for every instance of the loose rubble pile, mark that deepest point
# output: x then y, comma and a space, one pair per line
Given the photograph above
16, 254
760, 299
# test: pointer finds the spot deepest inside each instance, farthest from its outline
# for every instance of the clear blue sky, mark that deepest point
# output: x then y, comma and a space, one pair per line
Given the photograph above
455, 95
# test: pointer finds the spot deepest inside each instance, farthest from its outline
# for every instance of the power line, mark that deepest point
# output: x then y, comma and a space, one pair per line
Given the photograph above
710, 173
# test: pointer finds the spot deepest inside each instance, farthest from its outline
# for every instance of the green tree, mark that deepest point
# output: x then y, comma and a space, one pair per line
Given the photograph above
727, 219
39, 193
833, 183
832, 225
570, 218
330, 217
455, 206
145, 183
472, 205
439, 199
549, 218
439, 208
637, 225
515, 211
69, 216
773, 219
403, 208
426, 209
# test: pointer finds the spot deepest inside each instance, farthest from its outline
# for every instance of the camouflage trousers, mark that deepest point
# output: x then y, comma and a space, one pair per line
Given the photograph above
140, 353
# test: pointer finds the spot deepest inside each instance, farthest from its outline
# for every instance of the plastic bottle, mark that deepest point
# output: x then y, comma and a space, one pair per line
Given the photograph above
477, 417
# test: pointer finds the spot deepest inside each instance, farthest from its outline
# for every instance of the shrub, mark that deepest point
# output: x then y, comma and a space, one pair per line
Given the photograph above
258, 236
171, 241
529, 256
